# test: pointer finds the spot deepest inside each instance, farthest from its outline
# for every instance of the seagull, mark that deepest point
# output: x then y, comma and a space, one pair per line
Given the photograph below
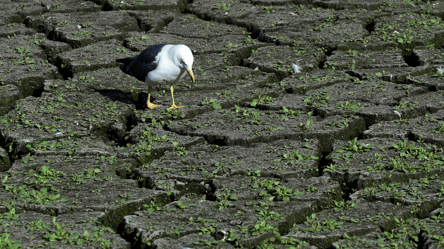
160, 64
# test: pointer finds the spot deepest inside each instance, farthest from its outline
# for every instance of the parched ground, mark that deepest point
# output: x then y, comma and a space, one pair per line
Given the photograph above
311, 124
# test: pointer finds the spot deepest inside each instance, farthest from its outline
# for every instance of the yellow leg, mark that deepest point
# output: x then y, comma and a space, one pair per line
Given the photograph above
174, 106
148, 103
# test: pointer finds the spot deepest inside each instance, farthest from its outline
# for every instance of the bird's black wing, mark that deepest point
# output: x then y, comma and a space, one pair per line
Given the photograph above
144, 63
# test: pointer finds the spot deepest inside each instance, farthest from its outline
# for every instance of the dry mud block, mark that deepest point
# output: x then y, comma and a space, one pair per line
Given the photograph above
15, 29
55, 6
23, 66
284, 60
240, 222
107, 81
407, 28
22, 46
66, 116
319, 189
409, 234
434, 82
329, 33
374, 100
27, 74
258, 17
5, 164
8, 94
177, 5
153, 21
148, 141
405, 238
404, 30
93, 57
429, 56
353, 59
358, 4
190, 26
198, 165
268, 18
15, 12
53, 49
431, 101
303, 82
425, 190
196, 241
374, 161
59, 184
244, 126
240, 190
432, 230
223, 11
83, 28
33, 229
352, 219
393, 74
427, 128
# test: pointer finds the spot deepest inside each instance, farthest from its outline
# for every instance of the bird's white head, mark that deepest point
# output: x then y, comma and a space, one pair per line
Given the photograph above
185, 59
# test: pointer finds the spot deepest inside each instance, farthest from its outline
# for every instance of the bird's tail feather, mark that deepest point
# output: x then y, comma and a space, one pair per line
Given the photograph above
126, 61
124, 64
124, 68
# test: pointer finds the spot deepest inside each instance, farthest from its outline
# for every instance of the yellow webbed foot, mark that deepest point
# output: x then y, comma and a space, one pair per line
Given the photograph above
151, 105
148, 103
175, 106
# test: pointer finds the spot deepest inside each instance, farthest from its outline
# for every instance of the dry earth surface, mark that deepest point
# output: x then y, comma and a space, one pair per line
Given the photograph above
312, 124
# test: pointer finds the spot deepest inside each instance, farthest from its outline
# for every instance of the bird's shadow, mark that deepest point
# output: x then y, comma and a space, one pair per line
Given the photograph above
126, 97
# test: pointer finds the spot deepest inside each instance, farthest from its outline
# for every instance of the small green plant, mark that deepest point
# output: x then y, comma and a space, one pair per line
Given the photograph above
211, 102
26, 61
223, 6
319, 99
312, 189
182, 205
305, 127
356, 147
23, 51
340, 206
312, 224
351, 16
349, 105
331, 19
282, 65
270, 9
251, 115
274, 189
439, 129
83, 34
262, 100
225, 198
289, 113
333, 124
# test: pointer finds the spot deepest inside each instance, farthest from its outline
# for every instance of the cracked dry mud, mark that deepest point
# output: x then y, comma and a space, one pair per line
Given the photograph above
343, 151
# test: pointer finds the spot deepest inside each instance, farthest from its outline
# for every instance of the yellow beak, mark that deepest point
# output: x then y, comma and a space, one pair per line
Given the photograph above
191, 75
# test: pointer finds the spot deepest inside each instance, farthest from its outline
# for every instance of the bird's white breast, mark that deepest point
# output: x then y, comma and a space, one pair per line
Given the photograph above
166, 71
